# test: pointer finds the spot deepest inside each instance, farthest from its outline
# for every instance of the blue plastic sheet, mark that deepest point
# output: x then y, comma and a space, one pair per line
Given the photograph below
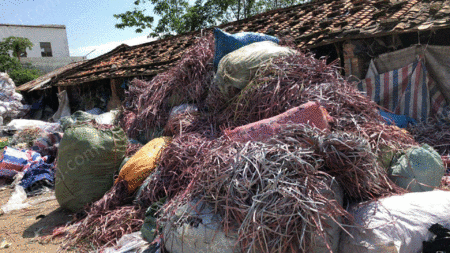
401, 121
226, 43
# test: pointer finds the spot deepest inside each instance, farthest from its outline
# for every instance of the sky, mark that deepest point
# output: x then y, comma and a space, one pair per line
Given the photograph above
89, 23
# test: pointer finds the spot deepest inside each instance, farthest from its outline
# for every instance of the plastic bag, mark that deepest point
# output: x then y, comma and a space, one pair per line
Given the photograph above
184, 108
16, 200
21, 124
95, 111
397, 224
129, 243
107, 118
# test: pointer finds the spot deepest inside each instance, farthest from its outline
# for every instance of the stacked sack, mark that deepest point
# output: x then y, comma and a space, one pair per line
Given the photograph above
10, 101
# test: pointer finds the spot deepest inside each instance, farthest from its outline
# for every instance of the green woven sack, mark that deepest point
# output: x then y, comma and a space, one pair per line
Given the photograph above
420, 169
87, 160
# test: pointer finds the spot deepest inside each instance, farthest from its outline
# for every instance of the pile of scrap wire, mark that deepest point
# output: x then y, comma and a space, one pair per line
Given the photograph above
275, 189
291, 81
279, 85
148, 104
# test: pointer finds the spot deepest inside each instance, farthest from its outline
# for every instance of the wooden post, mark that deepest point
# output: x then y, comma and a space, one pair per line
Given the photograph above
114, 100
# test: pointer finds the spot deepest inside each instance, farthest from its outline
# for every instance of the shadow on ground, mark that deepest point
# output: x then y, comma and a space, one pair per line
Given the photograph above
45, 225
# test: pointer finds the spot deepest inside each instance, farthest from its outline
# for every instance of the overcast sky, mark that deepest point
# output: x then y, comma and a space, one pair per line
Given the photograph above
89, 23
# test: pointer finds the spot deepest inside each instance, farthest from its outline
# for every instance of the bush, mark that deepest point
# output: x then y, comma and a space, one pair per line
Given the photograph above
19, 73
23, 75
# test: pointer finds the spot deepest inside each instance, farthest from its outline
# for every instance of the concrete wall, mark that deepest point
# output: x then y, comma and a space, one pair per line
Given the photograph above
48, 64
55, 34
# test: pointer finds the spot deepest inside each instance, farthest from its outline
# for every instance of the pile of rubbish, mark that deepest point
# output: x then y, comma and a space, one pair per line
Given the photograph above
28, 163
246, 145
11, 106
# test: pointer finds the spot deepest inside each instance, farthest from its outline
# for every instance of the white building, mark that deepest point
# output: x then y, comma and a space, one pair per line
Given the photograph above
51, 48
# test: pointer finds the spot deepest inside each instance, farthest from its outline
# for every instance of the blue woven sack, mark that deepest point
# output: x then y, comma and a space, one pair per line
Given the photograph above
226, 43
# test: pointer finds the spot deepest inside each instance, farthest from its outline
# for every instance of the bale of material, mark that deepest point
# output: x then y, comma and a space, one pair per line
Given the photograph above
396, 224
254, 183
331, 225
88, 157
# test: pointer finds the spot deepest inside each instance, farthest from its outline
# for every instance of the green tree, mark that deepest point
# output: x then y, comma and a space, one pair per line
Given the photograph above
11, 64
18, 45
179, 16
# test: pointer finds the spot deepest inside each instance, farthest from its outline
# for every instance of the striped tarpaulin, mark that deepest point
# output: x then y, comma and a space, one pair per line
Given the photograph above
407, 91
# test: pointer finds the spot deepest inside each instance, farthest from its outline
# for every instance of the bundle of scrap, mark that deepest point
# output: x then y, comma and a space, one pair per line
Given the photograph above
274, 191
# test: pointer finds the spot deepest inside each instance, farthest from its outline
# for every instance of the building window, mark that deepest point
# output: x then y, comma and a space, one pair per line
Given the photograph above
46, 49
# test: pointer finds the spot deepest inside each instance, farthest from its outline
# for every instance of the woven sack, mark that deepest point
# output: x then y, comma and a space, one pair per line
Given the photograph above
309, 113
87, 160
137, 169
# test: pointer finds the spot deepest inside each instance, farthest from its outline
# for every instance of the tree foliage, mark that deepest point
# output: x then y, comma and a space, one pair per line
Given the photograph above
17, 45
11, 64
180, 16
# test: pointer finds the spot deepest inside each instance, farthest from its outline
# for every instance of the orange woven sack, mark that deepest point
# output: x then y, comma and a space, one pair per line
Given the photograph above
139, 167
309, 113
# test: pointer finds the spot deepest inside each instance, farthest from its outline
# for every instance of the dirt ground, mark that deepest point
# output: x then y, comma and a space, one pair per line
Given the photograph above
21, 228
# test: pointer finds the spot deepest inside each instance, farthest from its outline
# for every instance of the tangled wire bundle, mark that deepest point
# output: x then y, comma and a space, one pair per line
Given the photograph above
275, 190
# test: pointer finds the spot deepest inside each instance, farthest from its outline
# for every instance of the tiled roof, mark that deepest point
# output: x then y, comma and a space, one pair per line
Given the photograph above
43, 81
141, 60
310, 25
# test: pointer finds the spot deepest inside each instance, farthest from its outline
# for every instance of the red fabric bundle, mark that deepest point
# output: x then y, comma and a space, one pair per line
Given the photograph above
309, 113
